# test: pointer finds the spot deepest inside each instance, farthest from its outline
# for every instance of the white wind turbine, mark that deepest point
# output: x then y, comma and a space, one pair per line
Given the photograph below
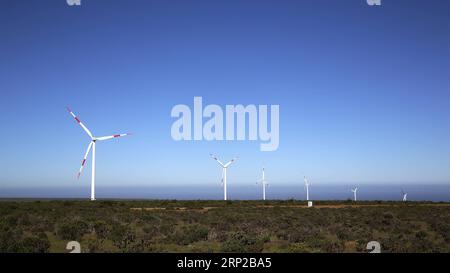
224, 173
354, 190
264, 183
91, 145
307, 184
404, 194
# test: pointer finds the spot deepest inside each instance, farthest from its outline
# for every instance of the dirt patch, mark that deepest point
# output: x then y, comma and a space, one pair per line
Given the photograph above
176, 209
341, 206
337, 206
147, 209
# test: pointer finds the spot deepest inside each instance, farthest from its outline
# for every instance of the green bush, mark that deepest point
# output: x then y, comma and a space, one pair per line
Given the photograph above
10, 241
189, 234
122, 236
39, 244
237, 226
72, 230
421, 235
240, 242
101, 229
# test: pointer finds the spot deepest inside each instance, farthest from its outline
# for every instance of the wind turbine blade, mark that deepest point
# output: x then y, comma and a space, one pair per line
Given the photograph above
231, 161
217, 159
113, 136
84, 159
79, 122
234, 159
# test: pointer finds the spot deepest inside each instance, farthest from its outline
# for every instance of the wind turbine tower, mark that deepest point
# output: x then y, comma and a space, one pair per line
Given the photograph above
307, 184
264, 183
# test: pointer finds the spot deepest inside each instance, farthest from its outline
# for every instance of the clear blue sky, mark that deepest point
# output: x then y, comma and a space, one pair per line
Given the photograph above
364, 92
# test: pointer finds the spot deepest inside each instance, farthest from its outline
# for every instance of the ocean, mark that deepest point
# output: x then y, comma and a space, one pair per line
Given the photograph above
238, 192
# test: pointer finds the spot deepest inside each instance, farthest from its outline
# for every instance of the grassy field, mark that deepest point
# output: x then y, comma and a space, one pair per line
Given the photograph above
223, 226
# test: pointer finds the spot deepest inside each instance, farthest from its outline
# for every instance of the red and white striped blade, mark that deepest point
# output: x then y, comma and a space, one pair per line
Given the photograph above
113, 136
79, 122
84, 159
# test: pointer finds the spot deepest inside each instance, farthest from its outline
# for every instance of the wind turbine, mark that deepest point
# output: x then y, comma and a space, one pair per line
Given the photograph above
307, 184
404, 194
224, 173
264, 183
91, 146
354, 190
